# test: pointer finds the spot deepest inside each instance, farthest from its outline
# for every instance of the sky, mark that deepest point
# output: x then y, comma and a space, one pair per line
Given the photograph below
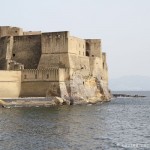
122, 25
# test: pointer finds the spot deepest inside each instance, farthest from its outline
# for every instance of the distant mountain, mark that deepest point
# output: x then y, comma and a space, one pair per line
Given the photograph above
130, 83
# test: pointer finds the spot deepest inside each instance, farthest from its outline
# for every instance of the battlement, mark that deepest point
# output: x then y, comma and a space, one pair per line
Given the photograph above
10, 31
51, 74
93, 48
54, 42
32, 33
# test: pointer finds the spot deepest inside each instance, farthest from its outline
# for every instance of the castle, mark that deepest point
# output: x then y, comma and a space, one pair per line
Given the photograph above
35, 64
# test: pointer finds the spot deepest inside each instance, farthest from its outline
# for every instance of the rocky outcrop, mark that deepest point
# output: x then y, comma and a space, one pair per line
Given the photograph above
84, 89
127, 95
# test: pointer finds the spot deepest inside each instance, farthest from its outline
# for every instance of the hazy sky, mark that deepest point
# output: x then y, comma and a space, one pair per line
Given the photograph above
123, 26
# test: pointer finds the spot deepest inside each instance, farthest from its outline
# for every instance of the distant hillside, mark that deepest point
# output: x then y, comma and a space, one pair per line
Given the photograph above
130, 83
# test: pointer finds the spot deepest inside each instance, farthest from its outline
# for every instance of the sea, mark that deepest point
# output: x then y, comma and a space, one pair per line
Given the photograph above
122, 124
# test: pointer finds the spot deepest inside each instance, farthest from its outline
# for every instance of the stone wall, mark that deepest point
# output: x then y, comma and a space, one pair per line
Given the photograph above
95, 66
55, 42
105, 68
39, 89
10, 31
10, 84
32, 33
41, 83
76, 46
54, 60
54, 47
27, 50
3, 48
93, 47
40, 75
79, 62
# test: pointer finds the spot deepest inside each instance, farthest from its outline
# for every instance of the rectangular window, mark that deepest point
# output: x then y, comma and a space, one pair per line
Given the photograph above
25, 76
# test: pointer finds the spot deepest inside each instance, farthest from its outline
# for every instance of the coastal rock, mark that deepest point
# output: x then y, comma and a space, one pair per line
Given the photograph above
127, 95
60, 101
2, 103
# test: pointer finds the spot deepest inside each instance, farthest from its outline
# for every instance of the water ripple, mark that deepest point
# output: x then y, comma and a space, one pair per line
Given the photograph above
121, 124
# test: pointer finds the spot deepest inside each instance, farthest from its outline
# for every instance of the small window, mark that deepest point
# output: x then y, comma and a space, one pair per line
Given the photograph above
16, 31
87, 53
92, 55
47, 76
25, 76
35, 76
103, 65
58, 36
14, 55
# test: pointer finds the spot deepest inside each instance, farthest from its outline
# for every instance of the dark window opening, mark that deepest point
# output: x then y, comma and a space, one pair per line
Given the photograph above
87, 49
14, 55
16, 31
103, 65
35, 76
87, 53
92, 55
87, 46
25, 76
47, 76
83, 82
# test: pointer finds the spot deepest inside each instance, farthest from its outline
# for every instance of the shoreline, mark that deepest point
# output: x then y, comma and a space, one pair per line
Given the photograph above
45, 102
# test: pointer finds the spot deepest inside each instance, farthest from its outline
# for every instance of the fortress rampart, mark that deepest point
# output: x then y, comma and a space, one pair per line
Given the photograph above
54, 63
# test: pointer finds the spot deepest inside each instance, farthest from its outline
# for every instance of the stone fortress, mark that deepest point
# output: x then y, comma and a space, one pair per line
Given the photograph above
35, 64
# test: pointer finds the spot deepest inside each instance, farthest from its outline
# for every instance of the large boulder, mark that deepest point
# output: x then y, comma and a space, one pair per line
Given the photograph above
60, 101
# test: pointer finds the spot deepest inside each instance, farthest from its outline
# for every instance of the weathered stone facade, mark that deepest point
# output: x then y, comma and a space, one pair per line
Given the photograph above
54, 64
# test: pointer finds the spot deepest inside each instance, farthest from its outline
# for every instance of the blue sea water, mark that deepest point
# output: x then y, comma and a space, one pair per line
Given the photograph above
122, 124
